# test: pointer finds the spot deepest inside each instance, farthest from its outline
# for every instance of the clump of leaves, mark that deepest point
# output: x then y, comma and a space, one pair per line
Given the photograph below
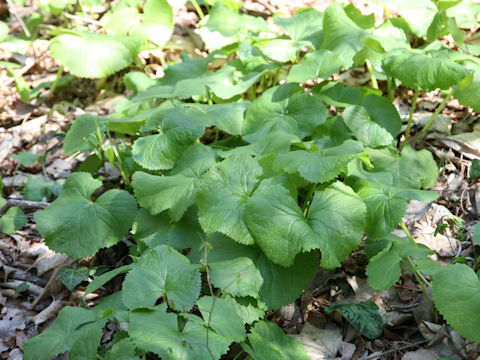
281, 188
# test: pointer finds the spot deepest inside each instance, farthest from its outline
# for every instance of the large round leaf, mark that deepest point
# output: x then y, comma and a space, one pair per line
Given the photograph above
93, 55
78, 226
277, 224
365, 128
162, 272
337, 215
286, 107
419, 71
456, 291
158, 331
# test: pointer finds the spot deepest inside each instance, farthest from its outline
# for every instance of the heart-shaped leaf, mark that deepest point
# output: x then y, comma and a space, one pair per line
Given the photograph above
78, 226
456, 291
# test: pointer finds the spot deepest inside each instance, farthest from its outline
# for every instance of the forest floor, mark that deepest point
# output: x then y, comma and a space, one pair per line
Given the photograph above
38, 127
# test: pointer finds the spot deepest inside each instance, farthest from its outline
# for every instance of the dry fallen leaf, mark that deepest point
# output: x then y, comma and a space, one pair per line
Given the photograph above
320, 344
422, 354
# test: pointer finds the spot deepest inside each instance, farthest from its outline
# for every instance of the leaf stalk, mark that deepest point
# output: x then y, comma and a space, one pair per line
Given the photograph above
373, 78
410, 115
435, 114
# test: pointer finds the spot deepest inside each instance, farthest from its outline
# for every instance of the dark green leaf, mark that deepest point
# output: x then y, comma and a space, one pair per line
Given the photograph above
268, 342
71, 277
364, 317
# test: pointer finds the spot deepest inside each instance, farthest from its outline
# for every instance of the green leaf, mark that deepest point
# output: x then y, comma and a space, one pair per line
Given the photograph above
286, 107
281, 285
122, 21
221, 316
71, 277
384, 210
3, 30
475, 169
336, 94
178, 129
151, 230
22, 287
188, 69
456, 291
411, 170
320, 166
364, 317
78, 226
106, 277
418, 70
340, 34
177, 191
364, 21
122, 350
25, 158
84, 127
237, 277
283, 50
337, 216
162, 272
158, 193
382, 111
277, 224
14, 219
86, 344
318, 64
157, 24
384, 270
467, 91
223, 27
465, 13
93, 55
138, 81
365, 128
227, 117
305, 24
268, 342
247, 308
417, 169
60, 336
36, 189
158, 331
419, 14
223, 195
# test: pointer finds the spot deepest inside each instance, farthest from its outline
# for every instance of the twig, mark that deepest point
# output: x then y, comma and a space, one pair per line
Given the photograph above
82, 19
17, 274
11, 8
25, 205
374, 356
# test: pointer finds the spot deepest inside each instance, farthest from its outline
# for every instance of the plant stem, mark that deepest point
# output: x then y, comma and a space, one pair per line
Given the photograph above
421, 280
407, 232
435, 114
410, 116
198, 9
372, 74
390, 88
308, 197
236, 357
120, 162
55, 83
